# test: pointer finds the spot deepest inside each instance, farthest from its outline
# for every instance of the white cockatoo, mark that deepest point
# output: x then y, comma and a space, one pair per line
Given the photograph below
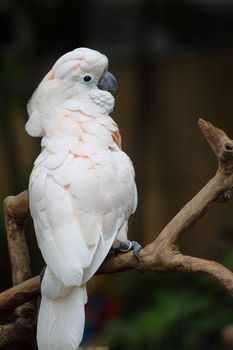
81, 189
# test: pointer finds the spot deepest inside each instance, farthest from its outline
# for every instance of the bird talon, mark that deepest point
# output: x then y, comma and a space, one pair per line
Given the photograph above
125, 247
136, 247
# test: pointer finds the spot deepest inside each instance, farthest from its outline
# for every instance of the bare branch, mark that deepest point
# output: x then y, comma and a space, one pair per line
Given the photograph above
19, 294
20, 334
163, 254
15, 213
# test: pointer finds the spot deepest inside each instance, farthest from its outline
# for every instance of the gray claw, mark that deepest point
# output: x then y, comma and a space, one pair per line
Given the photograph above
125, 247
136, 247
131, 245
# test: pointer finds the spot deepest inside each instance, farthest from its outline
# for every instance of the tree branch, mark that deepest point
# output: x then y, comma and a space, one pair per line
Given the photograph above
13, 335
162, 255
14, 223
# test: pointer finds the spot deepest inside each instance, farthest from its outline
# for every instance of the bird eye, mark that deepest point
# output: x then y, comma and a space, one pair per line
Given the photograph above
87, 78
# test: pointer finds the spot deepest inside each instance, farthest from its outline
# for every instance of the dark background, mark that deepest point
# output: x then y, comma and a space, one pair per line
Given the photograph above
174, 63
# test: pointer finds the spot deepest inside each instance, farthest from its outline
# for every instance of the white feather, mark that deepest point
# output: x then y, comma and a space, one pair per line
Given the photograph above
53, 161
69, 126
81, 189
61, 321
61, 143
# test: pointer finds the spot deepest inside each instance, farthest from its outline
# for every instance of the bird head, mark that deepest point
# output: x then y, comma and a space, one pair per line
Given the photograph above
78, 76
84, 68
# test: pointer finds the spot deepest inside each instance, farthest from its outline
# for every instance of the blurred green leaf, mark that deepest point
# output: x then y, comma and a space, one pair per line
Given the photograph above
183, 312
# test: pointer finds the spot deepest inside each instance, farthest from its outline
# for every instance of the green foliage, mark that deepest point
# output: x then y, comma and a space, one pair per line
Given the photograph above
173, 311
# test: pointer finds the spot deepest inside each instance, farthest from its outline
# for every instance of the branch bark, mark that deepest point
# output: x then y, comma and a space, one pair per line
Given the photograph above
13, 335
162, 255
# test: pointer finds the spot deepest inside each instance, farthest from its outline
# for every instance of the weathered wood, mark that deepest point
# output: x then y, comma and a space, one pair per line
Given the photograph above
163, 254
15, 212
21, 334
19, 294
18, 336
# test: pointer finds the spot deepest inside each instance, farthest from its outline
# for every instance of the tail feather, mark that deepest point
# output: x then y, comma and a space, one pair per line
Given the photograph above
61, 321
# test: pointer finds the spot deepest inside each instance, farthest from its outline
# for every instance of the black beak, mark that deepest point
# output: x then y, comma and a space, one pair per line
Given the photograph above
108, 83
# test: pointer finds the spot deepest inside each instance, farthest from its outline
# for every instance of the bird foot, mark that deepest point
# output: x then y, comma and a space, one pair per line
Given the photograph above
42, 273
126, 246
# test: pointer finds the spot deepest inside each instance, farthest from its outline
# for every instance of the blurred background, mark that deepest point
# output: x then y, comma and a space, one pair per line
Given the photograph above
174, 63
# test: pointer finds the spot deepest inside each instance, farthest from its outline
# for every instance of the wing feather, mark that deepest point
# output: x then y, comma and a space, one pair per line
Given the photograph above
78, 207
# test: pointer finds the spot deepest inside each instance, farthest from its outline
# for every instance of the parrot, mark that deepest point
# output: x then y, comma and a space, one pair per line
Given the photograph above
81, 189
